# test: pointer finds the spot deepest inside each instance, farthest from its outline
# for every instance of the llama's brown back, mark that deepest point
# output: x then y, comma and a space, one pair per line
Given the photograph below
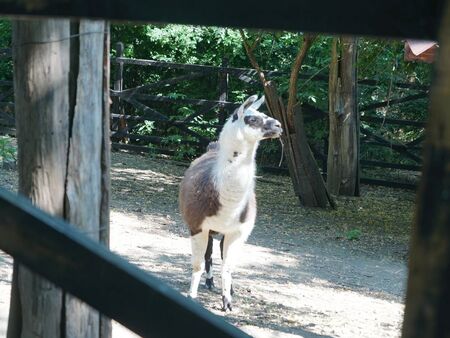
198, 197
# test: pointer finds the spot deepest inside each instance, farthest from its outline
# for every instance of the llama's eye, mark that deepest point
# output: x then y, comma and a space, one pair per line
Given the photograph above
252, 121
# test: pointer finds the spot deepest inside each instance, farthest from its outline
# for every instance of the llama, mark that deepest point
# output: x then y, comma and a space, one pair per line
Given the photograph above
217, 193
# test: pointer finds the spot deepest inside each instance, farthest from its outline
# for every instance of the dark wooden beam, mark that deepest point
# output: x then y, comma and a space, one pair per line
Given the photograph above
389, 18
63, 255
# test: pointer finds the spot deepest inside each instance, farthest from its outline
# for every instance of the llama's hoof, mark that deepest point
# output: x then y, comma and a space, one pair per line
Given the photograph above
226, 304
210, 283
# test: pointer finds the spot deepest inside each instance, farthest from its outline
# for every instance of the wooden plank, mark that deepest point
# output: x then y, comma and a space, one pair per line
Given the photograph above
6, 83
365, 180
153, 114
203, 69
427, 305
67, 257
105, 322
318, 113
42, 158
343, 143
117, 105
371, 163
389, 18
167, 99
141, 149
420, 124
134, 119
148, 138
366, 140
390, 144
7, 118
83, 181
248, 74
404, 85
392, 102
7, 131
417, 141
202, 111
150, 113
171, 81
390, 184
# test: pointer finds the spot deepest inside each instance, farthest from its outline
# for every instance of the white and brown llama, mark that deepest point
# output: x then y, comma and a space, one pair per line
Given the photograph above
217, 193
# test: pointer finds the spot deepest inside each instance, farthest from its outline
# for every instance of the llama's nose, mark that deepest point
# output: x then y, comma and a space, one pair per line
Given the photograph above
273, 124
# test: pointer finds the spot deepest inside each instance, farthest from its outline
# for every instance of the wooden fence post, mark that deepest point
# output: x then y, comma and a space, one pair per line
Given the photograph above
122, 125
59, 100
105, 322
427, 304
223, 94
343, 146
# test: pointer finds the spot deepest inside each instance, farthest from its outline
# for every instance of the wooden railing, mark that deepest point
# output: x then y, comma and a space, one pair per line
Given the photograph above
84, 268
145, 103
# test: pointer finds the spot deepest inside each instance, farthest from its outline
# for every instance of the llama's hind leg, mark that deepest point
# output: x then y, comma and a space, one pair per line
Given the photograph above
221, 256
208, 264
199, 242
232, 244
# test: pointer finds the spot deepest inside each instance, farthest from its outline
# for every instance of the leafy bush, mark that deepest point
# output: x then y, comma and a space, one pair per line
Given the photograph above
8, 151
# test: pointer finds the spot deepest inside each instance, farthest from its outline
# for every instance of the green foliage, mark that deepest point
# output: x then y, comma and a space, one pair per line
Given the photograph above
353, 234
380, 60
5, 42
8, 151
145, 128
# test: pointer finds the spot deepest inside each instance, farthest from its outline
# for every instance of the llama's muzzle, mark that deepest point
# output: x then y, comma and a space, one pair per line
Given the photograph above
272, 128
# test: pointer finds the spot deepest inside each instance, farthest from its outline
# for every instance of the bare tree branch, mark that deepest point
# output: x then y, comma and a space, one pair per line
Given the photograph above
308, 39
251, 56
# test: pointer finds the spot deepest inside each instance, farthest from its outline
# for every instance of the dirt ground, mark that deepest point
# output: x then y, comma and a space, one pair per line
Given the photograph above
303, 273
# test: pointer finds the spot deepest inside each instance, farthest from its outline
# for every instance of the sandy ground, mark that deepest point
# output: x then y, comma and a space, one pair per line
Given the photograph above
300, 275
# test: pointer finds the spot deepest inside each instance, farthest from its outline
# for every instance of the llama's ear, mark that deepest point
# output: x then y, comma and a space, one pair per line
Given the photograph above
247, 104
258, 103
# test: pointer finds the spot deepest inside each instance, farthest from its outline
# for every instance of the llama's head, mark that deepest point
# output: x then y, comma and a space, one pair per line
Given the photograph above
252, 125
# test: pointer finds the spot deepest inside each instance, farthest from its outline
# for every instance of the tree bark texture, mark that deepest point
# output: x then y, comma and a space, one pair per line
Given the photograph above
427, 309
343, 141
59, 102
304, 171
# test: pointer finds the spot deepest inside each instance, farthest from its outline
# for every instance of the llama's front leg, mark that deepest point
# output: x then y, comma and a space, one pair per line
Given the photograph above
208, 264
199, 243
231, 249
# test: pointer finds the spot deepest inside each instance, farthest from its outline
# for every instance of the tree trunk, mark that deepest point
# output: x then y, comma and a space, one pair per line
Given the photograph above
427, 309
303, 169
59, 102
343, 142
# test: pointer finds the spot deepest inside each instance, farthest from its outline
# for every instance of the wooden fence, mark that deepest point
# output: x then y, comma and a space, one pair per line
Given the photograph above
133, 106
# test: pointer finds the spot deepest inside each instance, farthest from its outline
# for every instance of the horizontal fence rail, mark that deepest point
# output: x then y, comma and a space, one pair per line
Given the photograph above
148, 108
389, 18
125, 293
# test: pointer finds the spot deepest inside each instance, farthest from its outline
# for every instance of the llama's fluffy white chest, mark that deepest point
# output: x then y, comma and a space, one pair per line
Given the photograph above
235, 185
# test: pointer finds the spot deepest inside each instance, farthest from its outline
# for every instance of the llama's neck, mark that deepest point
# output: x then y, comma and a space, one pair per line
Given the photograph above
235, 166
